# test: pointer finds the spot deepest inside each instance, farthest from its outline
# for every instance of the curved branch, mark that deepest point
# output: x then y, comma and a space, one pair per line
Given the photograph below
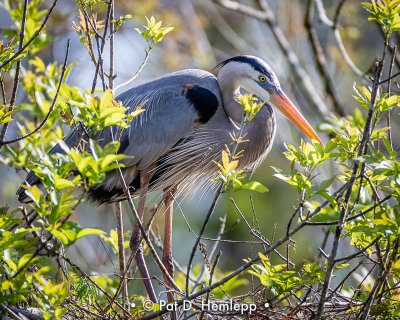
320, 58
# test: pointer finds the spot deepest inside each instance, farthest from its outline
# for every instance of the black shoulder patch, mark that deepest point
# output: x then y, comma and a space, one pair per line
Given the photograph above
124, 143
204, 102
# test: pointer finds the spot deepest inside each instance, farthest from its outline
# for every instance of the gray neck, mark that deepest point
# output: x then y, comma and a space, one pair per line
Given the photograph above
259, 131
229, 88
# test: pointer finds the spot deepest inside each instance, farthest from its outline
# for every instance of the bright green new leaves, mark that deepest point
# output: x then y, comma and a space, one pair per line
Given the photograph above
88, 3
252, 185
118, 22
104, 112
84, 290
5, 115
386, 13
278, 278
383, 102
296, 179
250, 108
228, 167
7, 51
112, 240
307, 155
228, 174
154, 32
34, 19
52, 297
69, 232
93, 166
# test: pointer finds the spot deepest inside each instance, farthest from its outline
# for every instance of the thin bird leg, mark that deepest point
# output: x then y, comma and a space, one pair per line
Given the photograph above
136, 239
167, 248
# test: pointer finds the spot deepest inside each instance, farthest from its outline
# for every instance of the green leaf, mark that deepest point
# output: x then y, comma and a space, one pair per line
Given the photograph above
88, 231
252, 185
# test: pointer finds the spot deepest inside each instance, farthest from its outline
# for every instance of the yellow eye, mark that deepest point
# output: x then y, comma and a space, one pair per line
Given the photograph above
262, 78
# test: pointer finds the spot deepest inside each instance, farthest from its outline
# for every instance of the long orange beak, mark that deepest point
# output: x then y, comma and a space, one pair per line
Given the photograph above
283, 103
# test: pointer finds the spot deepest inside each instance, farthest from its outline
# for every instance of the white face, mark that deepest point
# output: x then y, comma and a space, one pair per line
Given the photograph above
255, 82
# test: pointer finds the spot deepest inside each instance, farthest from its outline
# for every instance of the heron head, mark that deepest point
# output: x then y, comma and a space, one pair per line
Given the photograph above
256, 77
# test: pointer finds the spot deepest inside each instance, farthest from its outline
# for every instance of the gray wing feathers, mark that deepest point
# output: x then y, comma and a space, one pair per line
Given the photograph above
168, 118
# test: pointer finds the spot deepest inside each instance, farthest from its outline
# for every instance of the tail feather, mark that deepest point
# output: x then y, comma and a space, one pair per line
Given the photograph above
71, 140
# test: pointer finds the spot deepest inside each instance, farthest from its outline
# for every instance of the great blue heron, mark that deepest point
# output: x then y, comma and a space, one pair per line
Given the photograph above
189, 118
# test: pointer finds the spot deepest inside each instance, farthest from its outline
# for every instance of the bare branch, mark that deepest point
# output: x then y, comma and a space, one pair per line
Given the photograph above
32, 38
51, 107
17, 71
345, 209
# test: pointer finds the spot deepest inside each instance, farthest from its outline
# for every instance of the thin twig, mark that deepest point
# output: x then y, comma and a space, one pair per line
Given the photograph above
356, 254
16, 54
384, 270
320, 58
17, 72
136, 74
345, 208
121, 253
51, 107
210, 281
388, 91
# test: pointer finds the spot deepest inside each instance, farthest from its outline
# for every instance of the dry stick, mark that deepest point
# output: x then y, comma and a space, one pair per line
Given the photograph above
320, 59
339, 41
247, 265
257, 235
203, 227
111, 74
268, 17
89, 40
118, 207
345, 209
137, 72
210, 281
388, 91
17, 72
356, 254
51, 107
212, 251
100, 50
10, 312
384, 270
3, 93
76, 267
26, 314
121, 253
32, 38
